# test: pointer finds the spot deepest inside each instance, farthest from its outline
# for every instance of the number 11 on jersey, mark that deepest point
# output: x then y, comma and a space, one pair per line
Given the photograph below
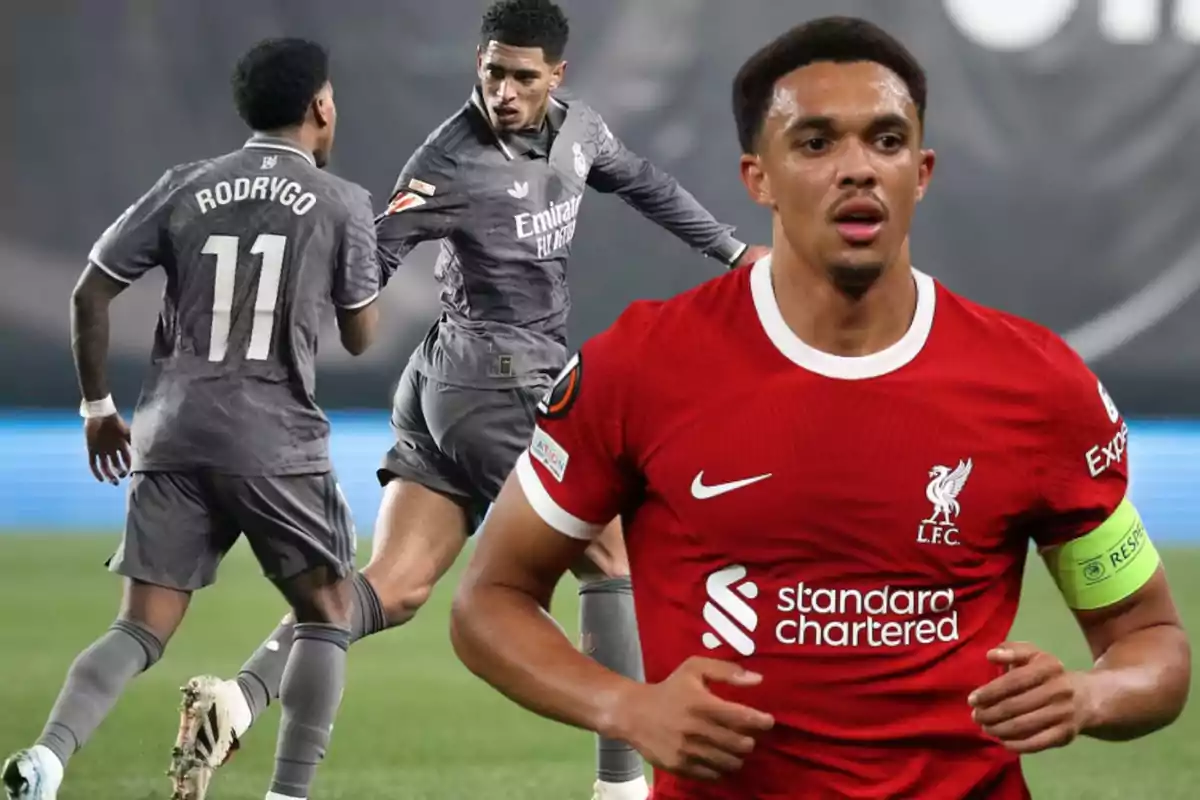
271, 247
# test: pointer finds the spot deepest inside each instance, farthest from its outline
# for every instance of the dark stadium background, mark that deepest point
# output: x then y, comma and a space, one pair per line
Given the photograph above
1065, 191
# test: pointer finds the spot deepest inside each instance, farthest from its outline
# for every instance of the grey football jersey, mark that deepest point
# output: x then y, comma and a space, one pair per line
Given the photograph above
505, 213
256, 245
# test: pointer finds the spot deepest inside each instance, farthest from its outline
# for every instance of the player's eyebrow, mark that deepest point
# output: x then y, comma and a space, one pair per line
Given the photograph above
890, 122
810, 122
826, 124
519, 72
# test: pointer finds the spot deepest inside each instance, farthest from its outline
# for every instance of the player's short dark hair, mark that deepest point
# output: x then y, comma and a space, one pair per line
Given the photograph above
527, 23
838, 39
274, 83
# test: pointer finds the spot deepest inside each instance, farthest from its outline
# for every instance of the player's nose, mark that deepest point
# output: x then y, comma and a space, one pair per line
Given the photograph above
856, 168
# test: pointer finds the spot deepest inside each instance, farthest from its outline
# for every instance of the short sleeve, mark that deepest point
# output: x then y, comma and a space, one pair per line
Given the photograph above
356, 282
133, 244
1085, 472
425, 206
578, 472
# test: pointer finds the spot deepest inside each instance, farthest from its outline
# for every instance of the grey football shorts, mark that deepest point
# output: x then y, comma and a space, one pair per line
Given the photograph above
180, 525
458, 441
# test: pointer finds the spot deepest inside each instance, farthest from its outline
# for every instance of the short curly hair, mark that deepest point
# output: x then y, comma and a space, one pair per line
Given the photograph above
527, 23
274, 83
838, 39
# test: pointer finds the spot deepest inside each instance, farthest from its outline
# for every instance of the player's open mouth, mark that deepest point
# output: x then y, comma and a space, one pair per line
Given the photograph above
859, 221
505, 113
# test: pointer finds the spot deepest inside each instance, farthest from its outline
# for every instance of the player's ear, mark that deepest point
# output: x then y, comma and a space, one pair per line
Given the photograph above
925, 172
557, 74
479, 60
758, 184
322, 106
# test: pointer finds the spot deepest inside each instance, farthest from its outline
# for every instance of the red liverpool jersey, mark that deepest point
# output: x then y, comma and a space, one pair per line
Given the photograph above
854, 529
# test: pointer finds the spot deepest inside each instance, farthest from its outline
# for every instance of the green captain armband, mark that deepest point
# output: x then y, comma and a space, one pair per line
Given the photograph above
1106, 565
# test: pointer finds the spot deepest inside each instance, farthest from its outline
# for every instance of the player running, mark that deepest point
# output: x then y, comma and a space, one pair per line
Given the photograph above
227, 437
500, 183
831, 469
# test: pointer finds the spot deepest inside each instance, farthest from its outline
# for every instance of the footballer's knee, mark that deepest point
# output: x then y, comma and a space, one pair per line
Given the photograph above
319, 596
605, 559
418, 536
156, 610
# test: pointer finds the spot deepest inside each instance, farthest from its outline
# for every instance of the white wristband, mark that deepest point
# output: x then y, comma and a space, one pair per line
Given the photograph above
89, 409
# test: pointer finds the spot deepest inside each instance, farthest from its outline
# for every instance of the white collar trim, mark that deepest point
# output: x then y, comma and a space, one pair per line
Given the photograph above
504, 148
257, 144
848, 368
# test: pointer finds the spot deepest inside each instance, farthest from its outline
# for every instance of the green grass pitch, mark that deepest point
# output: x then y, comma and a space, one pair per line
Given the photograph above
415, 725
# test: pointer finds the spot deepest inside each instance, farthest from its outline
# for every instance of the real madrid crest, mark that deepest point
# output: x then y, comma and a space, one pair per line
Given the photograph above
581, 165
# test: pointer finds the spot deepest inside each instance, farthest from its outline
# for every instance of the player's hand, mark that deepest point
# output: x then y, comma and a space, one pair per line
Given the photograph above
108, 447
753, 253
681, 727
1035, 705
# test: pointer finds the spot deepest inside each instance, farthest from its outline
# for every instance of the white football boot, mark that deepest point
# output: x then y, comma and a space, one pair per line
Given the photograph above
33, 774
636, 789
213, 715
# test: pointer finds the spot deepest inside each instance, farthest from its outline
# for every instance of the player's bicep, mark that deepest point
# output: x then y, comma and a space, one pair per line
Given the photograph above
96, 288
1091, 536
1105, 565
357, 326
424, 204
616, 167
133, 244
575, 472
410, 220
1083, 461
1150, 606
1112, 579
519, 549
356, 279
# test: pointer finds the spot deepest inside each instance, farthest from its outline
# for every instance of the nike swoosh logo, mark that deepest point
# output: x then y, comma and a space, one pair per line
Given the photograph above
702, 492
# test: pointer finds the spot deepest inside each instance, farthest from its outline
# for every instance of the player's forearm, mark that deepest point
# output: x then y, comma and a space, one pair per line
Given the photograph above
507, 639
1140, 684
662, 200
676, 210
89, 342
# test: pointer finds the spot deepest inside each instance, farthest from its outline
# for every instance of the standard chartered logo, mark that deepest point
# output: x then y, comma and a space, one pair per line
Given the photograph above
731, 618
883, 617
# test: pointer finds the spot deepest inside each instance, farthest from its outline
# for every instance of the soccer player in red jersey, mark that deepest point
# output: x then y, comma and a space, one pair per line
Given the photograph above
830, 469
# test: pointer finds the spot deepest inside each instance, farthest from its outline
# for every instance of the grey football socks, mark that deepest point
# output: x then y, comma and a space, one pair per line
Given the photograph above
94, 682
608, 626
310, 694
262, 676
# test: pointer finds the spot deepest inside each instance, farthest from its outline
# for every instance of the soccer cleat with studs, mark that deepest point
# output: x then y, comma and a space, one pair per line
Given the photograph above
205, 741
